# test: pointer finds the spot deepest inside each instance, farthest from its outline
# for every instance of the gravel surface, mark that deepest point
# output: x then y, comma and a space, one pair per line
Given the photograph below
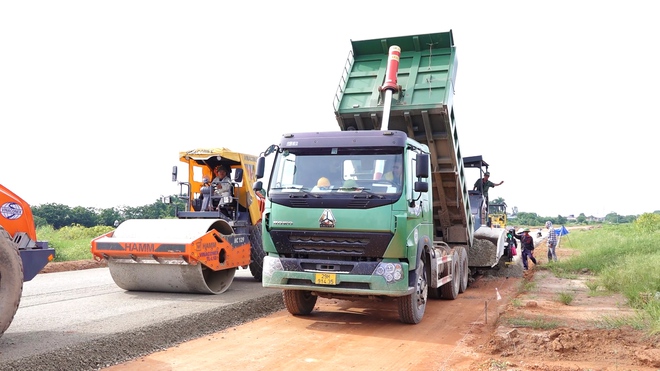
125, 346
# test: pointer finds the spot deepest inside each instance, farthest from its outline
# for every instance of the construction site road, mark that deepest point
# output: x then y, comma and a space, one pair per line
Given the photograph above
81, 320
348, 335
479, 331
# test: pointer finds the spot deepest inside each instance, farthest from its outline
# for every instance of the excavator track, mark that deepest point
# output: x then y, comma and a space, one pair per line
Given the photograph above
173, 255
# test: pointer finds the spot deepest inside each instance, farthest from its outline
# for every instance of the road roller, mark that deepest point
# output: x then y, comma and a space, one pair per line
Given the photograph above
216, 231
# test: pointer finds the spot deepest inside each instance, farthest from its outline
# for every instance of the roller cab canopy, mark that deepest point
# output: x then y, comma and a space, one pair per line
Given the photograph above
211, 157
208, 158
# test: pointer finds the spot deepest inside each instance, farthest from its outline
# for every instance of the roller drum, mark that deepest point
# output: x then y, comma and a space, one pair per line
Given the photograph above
168, 274
183, 278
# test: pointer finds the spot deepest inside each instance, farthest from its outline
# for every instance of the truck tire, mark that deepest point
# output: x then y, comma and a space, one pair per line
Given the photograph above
465, 270
299, 302
450, 290
257, 252
11, 282
412, 307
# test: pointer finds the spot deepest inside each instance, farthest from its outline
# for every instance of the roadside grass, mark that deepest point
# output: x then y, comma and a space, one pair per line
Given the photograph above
527, 286
71, 243
624, 259
566, 297
638, 321
538, 323
517, 303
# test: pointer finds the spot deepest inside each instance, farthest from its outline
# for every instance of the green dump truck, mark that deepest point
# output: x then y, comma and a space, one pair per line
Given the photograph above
379, 210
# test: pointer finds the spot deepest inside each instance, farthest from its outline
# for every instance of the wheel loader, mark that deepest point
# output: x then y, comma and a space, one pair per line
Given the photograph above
211, 237
21, 255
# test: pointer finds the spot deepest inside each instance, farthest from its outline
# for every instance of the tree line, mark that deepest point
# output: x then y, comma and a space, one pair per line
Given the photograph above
58, 215
532, 219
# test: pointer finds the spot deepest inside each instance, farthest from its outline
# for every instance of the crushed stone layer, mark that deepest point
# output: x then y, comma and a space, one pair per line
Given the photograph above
122, 347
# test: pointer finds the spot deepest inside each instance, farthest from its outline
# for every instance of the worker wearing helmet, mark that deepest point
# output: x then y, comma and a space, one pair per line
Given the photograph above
222, 182
323, 184
527, 245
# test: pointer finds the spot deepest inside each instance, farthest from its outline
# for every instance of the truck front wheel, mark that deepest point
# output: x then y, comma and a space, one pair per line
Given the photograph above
412, 307
257, 252
299, 302
11, 282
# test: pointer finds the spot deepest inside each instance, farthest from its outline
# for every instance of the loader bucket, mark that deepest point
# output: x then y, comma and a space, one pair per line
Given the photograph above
173, 255
487, 247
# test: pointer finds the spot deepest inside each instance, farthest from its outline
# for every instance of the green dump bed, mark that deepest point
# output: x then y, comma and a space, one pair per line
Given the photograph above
422, 108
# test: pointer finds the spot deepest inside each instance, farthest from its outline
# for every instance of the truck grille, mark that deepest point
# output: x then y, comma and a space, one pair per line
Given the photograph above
330, 245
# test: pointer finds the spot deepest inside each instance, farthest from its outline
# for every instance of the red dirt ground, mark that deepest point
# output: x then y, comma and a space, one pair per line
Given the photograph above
454, 335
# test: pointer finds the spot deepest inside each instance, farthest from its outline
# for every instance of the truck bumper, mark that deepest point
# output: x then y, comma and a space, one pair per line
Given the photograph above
385, 279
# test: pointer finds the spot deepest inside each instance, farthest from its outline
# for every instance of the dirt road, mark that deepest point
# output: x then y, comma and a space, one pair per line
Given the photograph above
342, 335
529, 329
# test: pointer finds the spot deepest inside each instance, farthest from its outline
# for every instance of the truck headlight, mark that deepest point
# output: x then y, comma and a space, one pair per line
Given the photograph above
392, 272
271, 264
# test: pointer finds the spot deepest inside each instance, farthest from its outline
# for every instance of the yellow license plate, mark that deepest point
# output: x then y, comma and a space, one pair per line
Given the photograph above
325, 278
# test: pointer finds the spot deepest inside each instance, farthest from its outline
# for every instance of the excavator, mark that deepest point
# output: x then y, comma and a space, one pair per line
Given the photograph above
200, 250
21, 255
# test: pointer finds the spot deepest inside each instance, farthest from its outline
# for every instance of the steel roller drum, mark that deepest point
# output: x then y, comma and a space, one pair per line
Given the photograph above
171, 275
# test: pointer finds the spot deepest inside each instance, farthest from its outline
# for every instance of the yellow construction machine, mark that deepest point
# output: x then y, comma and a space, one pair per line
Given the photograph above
497, 215
200, 250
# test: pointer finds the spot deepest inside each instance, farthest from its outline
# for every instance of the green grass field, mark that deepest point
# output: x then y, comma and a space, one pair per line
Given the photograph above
71, 243
624, 258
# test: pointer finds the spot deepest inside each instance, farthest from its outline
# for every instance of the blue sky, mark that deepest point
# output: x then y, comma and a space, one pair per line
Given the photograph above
98, 98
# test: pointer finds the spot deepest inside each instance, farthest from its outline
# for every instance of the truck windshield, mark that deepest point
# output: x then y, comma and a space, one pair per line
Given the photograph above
333, 172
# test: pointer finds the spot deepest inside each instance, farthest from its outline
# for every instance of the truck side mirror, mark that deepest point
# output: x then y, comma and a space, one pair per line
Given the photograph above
174, 173
421, 187
238, 175
258, 186
422, 167
261, 165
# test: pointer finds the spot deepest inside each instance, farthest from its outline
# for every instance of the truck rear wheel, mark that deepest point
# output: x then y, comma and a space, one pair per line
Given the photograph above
450, 289
299, 302
412, 307
465, 270
11, 282
257, 252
